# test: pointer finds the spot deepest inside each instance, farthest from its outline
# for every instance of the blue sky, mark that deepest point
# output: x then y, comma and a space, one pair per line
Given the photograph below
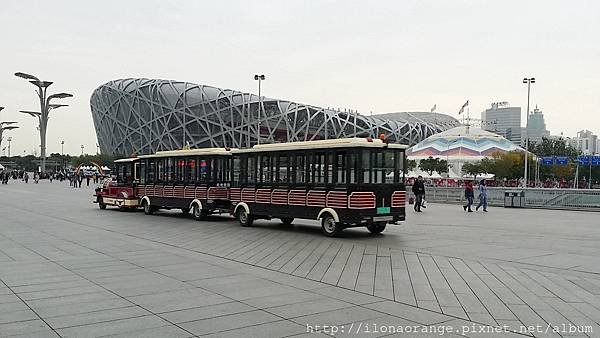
380, 56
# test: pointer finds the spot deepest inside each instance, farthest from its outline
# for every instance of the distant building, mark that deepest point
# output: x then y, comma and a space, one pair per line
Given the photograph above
503, 120
586, 142
536, 128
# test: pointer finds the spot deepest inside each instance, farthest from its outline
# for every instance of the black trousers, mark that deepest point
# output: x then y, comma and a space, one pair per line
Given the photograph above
418, 201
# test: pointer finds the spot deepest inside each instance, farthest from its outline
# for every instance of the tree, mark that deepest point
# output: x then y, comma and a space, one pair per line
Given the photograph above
554, 147
474, 168
431, 164
410, 165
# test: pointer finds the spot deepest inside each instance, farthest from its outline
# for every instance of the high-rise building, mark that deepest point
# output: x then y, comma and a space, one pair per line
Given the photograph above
536, 128
586, 142
503, 120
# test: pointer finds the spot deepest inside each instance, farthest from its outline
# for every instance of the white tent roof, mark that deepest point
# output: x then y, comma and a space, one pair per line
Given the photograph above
1, 167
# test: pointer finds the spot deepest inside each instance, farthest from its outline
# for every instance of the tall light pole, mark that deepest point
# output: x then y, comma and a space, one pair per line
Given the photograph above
527, 81
62, 153
259, 78
9, 140
6, 125
45, 107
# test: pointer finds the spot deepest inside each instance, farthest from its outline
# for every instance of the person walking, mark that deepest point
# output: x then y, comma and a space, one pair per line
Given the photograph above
469, 195
418, 189
87, 178
26, 177
482, 196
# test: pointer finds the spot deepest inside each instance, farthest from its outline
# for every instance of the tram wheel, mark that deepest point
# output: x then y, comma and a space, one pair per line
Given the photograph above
287, 221
101, 204
245, 218
148, 209
331, 228
376, 228
198, 213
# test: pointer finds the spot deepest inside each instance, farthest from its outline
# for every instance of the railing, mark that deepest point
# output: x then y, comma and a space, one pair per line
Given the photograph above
545, 198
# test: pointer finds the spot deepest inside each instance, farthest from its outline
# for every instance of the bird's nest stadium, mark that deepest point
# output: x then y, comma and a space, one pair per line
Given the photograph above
143, 116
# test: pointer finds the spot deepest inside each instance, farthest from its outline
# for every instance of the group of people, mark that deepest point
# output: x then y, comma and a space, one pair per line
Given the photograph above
418, 189
470, 195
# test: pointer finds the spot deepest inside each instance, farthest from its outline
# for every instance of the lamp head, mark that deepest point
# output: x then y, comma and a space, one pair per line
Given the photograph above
59, 96
26, 76
32, 113
55, 105
41, 84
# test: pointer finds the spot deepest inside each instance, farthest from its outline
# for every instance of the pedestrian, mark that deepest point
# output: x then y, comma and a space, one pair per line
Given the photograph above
418, 189
469, 195
87, 178
26, 177
79, 179
482, 196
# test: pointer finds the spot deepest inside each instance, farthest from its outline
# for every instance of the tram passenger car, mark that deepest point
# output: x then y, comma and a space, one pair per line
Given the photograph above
192, 179
343, 183
120, 192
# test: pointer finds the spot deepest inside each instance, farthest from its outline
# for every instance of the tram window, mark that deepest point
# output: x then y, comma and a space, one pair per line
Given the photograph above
142, 172
179, 170
329, 167
265, 169
399, 173
151, 170
191, 175
169, 170
251, 169
203, 168
340, 167
239, 165
128, 175
353, 166
300, 169
221, 170
388, 166
226, 170
378, 170
136, 171
366, 166
160, 170
318, 168
283, 169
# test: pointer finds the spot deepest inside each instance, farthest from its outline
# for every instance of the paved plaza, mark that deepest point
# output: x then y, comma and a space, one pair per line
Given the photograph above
69, 269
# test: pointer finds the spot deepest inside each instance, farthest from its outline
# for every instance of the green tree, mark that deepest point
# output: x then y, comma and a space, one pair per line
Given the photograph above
410, 165
474, 168
431, 164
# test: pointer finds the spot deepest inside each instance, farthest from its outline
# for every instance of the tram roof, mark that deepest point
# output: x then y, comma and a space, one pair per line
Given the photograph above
125, 160
190, 152
355, 142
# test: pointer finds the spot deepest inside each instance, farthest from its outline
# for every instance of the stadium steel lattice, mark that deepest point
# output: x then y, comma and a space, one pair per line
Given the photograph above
146, 115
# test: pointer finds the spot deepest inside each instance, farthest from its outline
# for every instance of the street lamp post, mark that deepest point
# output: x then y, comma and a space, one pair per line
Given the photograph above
4, 126
45, 107
62, 153
259, 78
528, 81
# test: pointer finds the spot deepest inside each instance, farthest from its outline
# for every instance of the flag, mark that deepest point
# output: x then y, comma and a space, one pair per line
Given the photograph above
462, 109
433, 108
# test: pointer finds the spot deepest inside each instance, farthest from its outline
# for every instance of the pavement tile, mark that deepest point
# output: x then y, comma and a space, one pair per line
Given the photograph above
229, 322
113, 327
204, 312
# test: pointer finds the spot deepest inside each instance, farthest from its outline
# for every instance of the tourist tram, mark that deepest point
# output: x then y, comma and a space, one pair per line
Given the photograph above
121, 191
341, 182
192, 179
